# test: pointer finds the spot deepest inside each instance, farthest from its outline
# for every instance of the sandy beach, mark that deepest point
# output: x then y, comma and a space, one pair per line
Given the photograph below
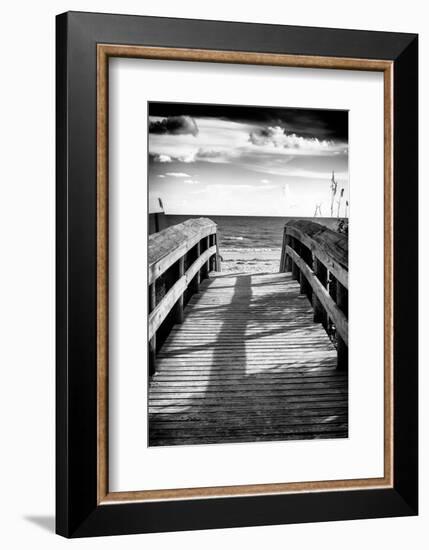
250, 260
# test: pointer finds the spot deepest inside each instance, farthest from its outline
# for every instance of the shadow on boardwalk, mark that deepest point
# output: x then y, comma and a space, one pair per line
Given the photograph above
247, 364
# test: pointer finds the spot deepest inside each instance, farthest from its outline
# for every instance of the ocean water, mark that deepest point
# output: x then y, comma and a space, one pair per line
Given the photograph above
250, 231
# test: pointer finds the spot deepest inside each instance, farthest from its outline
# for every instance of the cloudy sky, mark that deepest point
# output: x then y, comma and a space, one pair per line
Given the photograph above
233, 160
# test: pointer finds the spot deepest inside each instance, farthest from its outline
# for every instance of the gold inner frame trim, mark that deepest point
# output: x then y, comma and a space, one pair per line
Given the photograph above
104, 52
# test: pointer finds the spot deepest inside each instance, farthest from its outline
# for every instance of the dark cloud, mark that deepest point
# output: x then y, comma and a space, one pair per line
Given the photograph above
262, 136
319, 123
175, 125
279, 137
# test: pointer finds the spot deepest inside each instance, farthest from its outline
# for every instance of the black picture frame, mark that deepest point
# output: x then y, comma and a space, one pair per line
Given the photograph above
78, 513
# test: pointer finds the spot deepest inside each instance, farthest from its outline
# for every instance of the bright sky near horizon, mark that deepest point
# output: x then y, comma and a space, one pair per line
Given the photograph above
233, 160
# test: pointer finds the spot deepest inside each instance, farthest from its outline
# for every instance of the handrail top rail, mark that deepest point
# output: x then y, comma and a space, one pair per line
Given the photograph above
170, 244
320, 239
161, 310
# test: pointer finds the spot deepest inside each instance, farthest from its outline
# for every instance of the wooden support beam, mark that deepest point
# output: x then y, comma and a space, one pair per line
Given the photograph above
170, 244
217, 257
341, 298
197, 277
342, 354
320, 315
174, 296
152, 341
167, 251
322, 294
180, 302
159, 267
199, 262
332, 287
207, 264
165, 306
283, 256
304, 285
287, 265
323, 248
295, 269
212, 259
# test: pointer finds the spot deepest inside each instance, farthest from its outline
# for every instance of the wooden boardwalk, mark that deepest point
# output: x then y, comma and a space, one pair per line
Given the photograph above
247, 364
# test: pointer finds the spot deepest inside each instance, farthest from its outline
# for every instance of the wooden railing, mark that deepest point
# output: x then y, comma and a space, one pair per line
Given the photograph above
179, 258
318, 259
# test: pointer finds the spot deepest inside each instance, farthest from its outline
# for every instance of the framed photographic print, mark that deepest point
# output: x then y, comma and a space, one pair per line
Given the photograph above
236, 274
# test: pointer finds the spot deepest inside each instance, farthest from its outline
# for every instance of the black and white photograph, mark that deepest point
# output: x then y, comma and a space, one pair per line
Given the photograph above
189, 190
248, 273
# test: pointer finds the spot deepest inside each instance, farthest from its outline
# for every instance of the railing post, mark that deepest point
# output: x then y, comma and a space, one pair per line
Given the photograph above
305, 287
295, 268
319, 311
179, 304
152, 341
309, 251
212, 258
341, 298
207, 265
332, 287
197, 277
288, 264
342, 354
217, 261
283, 255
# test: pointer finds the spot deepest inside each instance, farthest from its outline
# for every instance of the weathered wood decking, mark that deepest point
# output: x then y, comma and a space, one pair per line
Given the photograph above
247, 364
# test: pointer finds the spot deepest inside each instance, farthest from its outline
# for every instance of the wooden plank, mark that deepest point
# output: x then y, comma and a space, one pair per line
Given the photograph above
287, 359
256, 431
300, 407
238, 403
222, 381
260, 426
226, 378
212, 388
223, 394
207, 374
221, 414
248, 438
240, 354
297, 404
183, 372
